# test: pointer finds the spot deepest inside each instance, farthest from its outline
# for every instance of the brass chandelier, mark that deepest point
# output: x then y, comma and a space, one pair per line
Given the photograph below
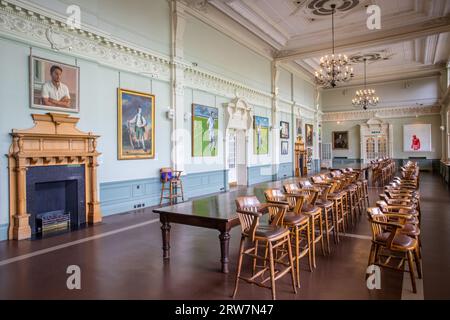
333, 68
366, 97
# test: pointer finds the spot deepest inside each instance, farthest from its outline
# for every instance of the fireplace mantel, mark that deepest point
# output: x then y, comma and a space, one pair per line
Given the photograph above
54, 140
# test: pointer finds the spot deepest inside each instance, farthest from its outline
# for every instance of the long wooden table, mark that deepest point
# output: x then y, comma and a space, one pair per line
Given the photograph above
214, 212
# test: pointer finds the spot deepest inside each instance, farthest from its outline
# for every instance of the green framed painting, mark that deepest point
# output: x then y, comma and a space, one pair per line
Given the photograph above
205, 127
260, 135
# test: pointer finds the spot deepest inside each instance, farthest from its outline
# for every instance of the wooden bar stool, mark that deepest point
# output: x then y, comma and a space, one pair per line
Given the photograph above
341, 188
325, 205
328, 214
298, 224
274, 236
366, 192
353, 202
338, 204
315, 213
175, 189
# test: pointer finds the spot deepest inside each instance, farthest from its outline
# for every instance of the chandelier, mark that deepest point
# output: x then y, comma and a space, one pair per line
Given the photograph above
365, 98
333, 68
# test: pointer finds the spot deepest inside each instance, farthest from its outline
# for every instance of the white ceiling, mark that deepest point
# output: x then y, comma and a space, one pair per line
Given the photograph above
413, 40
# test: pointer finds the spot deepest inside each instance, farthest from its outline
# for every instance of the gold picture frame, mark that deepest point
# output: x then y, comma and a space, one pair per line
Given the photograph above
135, 125
340, 140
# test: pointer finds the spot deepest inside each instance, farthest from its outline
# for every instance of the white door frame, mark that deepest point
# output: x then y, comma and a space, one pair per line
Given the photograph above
376, 127
239, 117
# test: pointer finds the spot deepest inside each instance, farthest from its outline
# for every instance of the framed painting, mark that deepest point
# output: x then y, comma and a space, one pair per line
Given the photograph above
284, 130
309, 130
136, 125
54, 85
417, 138
261, 135
299, 125
284, 147
340, 140
205, 126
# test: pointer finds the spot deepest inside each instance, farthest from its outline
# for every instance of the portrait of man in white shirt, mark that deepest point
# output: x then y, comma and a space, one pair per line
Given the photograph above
55, 93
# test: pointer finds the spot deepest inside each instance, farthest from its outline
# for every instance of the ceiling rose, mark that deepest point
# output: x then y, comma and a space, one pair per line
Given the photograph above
370, 57
324, 7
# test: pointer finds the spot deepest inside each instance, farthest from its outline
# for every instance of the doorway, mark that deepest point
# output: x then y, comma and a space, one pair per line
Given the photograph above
237, 158
232, 173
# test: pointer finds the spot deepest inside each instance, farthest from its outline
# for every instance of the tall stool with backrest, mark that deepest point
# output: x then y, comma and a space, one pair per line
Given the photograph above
337, 198
328, 213
315, 213
274, 236
298, 224
175, 188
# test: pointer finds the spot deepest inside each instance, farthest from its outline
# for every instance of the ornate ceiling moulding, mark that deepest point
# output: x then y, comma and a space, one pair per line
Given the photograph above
383, 113
370, 57
47, 31
316, 9
205, 81
323, 7
50, 31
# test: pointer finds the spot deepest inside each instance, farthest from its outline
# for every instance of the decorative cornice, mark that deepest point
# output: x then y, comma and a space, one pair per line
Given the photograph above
202, 80
385, 113
46, 29
50, 31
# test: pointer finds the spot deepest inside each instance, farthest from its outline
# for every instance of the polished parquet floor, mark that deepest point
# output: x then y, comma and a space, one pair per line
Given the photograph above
122, 259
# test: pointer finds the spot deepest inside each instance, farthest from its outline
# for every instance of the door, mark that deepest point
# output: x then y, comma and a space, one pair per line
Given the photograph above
376, 147
232, 173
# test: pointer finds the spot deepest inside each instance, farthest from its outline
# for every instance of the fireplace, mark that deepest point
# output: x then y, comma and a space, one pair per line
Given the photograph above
52, 176
55, 198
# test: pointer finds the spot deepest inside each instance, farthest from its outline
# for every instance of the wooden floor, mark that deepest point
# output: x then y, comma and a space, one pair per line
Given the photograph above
122, 259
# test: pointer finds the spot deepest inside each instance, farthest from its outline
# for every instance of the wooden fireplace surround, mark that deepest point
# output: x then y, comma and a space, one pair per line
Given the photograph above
54, 140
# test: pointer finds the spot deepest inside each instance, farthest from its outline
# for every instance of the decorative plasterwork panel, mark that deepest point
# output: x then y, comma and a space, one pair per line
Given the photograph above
47, 32
385, 113
371, 56
323, 7
202, 80
238, 115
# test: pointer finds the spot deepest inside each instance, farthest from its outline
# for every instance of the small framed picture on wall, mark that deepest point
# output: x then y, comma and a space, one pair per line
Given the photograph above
284, 130
299, 125
284, 147
340, 140
309, 129
54, 85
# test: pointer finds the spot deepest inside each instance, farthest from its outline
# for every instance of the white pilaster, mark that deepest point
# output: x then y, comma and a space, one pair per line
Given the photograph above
179, 136
275, 119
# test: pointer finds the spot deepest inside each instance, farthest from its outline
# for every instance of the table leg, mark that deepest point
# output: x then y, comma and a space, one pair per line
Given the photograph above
165, 229
224, 249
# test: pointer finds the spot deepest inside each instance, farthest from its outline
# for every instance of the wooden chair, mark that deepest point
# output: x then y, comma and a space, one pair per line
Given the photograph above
412, 223
387, 235
274, 236
175, 189
297, 223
